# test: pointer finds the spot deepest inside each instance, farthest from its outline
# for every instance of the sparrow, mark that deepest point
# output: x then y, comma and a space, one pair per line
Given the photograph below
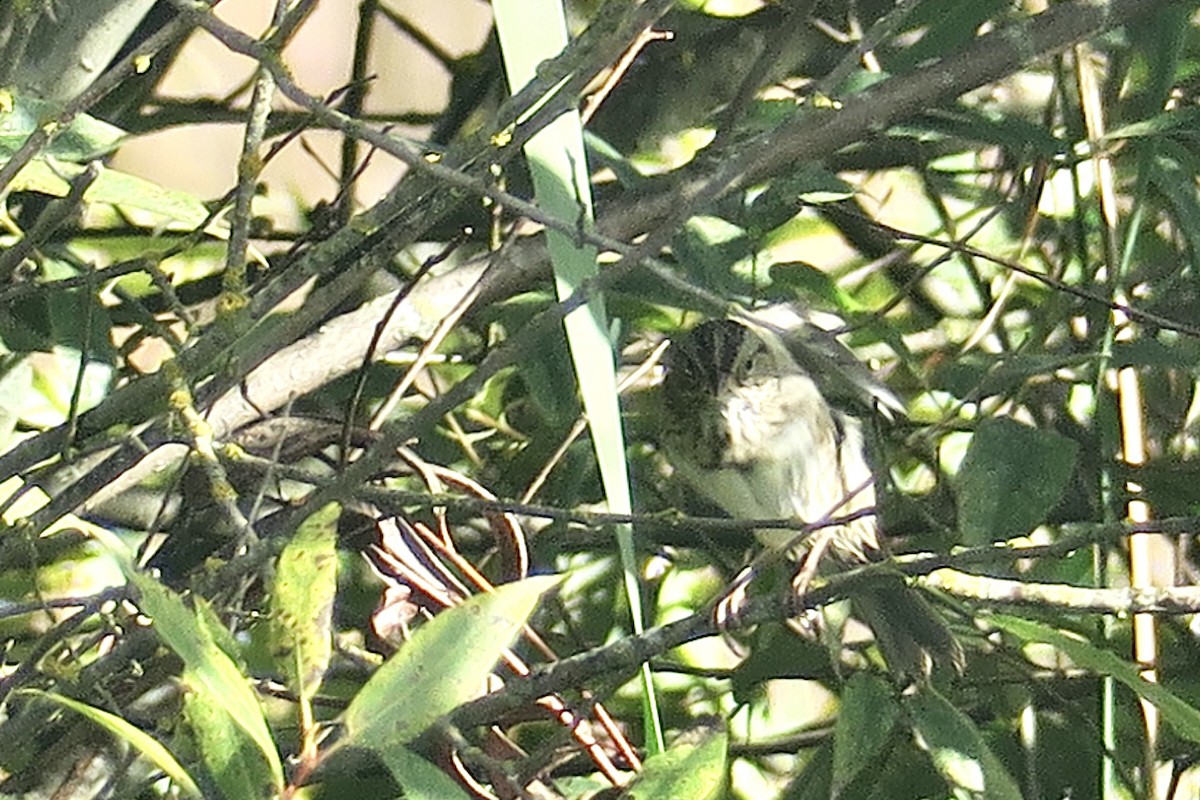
748, 428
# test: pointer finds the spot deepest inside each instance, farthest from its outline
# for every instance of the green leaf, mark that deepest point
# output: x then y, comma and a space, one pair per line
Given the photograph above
443, 666
777, 652
975, 125
978, 374
1172, 172
131, 192
420, 779
1161, 40
16, 395
692, 768
945, 28
722, 8
788, 194
548, 377
605, 155
1010, 478
232, 759
1181, 119
957, 749
1183, 718
815, 782
84, 139
708, 248
864, 726
302, 602
208, 668
813, 284
1182, 353
120, 189
138, 739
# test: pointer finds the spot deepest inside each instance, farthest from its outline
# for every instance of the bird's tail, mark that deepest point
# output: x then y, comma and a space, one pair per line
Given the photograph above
912, 636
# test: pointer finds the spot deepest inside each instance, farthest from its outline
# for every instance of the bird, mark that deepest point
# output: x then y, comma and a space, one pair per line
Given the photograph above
748, 429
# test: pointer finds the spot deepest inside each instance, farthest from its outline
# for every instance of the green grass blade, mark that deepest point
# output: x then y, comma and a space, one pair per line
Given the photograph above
530, 32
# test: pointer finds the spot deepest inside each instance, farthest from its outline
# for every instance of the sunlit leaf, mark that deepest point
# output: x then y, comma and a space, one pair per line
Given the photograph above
138, 739
302, 601
84, 139
207, 665
444, 665
691, 768
957, 748
1183, 718
230, 756
119, 189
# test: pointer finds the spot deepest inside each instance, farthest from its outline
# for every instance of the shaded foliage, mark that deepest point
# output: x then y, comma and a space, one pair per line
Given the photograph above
243, 462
